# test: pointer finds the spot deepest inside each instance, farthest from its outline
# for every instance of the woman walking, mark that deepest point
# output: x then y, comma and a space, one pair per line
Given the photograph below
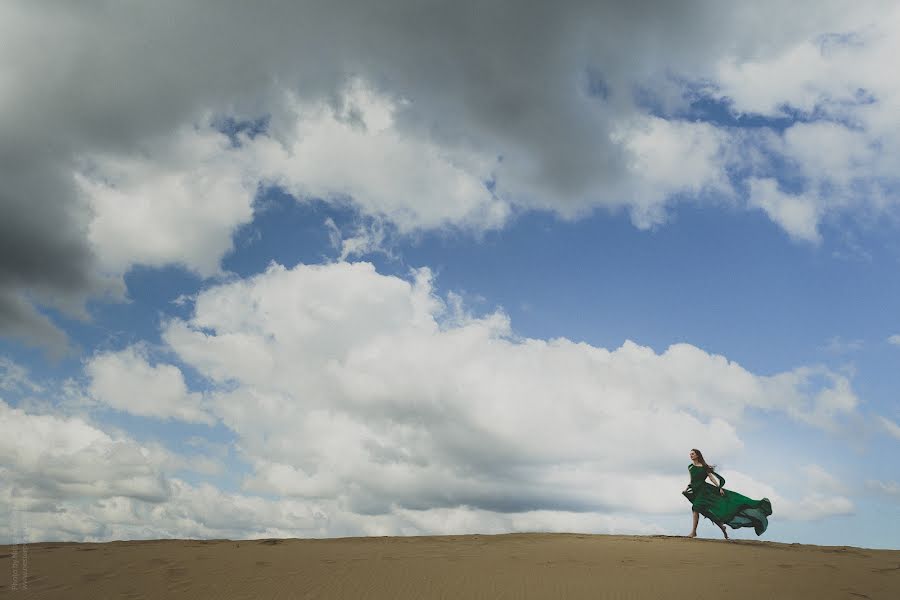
721, 506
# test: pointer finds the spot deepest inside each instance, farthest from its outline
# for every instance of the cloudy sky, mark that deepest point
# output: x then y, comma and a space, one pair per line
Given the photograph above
323, 269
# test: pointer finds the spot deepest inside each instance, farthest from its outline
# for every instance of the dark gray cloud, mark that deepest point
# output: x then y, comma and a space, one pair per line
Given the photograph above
502, 77
20, 319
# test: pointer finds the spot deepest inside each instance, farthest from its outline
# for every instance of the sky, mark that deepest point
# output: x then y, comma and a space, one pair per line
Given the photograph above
315, 269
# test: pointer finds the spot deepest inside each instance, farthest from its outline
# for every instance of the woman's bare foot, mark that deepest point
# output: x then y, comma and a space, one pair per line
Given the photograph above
724, 532
692, 534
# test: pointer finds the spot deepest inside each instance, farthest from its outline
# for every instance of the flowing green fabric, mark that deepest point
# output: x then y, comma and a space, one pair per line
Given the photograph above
732, 509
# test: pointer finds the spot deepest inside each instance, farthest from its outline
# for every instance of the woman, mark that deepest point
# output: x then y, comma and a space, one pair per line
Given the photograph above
721, 506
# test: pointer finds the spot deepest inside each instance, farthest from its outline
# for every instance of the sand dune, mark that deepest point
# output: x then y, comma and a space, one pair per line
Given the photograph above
534, 565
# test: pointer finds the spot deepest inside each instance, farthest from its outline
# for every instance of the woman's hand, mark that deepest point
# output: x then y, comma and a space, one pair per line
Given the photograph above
721, 492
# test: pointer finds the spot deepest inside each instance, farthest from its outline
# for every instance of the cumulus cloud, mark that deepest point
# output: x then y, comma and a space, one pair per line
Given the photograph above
341, 382
355, 152
65, 478
463, 118
841, 149
821, 495
364, 404
94, 486
90, 485
126, 381
176, 201
204, 511
798, 214
668, 157
82, 461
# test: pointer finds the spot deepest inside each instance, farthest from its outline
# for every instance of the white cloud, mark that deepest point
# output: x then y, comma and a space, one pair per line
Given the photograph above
800, 76
50, 458
852, 153
797, 214
819, 496
355, 152
890, 427
366, 405
366, 238
359, 387
821, 481
345, 383
87, 485
894, 339
179, 199
126, 381
65, 478
815, 507
670, 157
363, 112
14, 377
177, 202
203, 511
824, 71
838, 345
841, 83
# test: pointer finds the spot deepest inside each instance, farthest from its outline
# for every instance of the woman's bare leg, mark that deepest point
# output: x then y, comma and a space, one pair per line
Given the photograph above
696, 521
724, 531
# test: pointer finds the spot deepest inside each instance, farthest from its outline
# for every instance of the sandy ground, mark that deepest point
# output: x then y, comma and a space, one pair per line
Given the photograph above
468, 566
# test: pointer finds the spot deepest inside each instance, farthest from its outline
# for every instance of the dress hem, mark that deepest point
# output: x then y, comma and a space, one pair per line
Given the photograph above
728, 521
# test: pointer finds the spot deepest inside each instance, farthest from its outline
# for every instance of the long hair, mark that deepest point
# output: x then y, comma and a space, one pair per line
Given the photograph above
702, 460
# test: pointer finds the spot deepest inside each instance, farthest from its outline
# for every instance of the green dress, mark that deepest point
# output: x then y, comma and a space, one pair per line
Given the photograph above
732, 509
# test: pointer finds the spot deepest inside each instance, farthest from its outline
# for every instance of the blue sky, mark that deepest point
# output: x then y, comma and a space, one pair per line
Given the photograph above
392, 303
